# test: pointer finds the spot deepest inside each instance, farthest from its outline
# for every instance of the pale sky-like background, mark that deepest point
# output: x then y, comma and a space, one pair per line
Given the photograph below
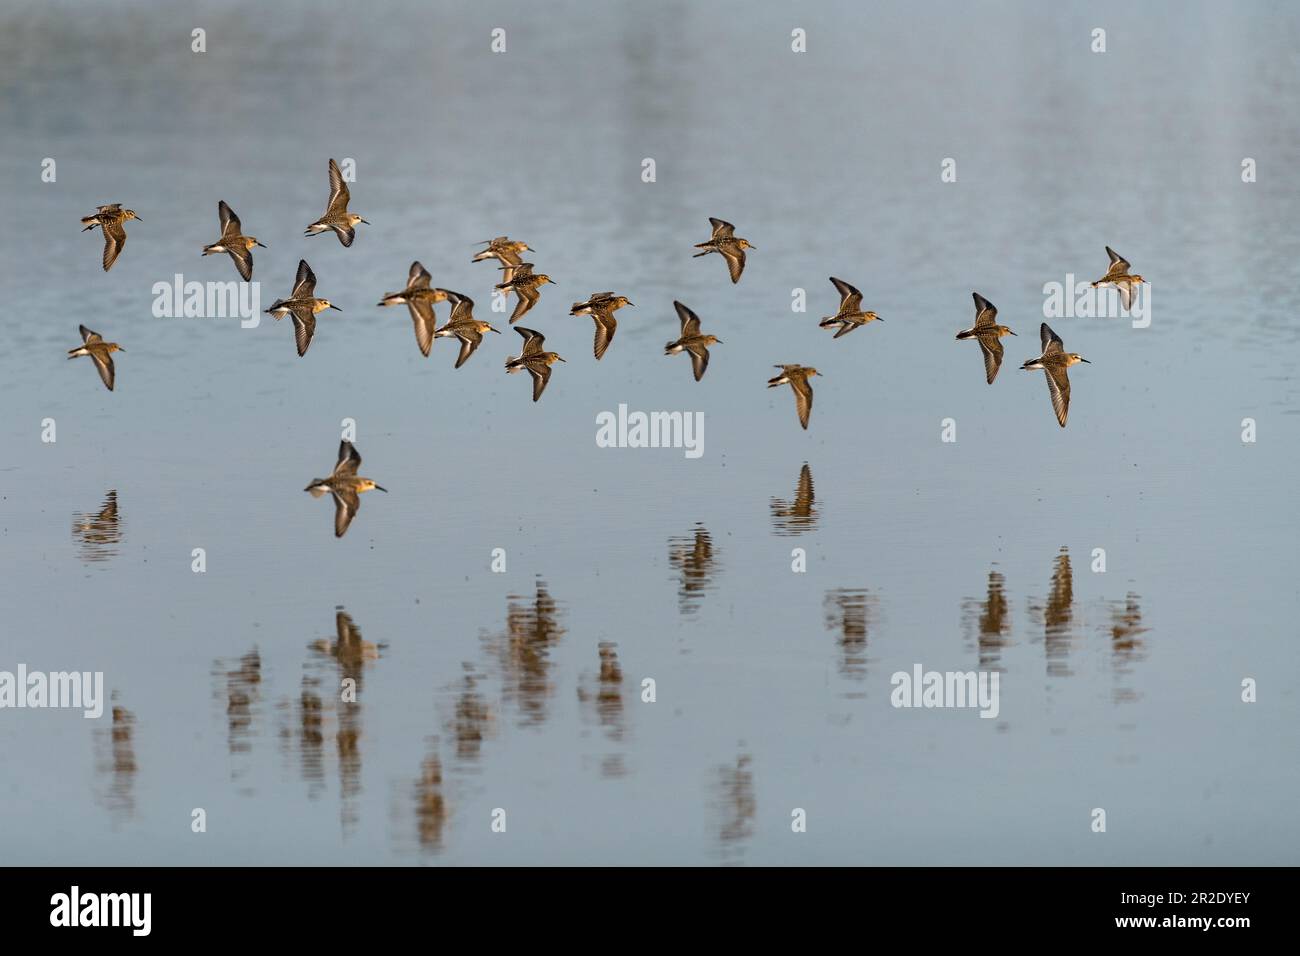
1119, 690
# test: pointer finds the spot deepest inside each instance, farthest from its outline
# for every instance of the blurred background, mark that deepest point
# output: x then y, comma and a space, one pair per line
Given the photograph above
522, 690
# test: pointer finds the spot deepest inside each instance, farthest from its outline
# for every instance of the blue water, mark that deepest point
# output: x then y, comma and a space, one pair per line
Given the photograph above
487, 690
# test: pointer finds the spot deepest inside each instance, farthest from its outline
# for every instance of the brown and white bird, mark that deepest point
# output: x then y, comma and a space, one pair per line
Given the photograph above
463, 325
504, 249
303, 305
725, 242
1118, 276
419, 298
526, 284
533, 360
100, 352
346, 487
234, 242
796, 376
692, 340
336, 216
987, 333
111, 219
601, 306
1053, 362
850, 315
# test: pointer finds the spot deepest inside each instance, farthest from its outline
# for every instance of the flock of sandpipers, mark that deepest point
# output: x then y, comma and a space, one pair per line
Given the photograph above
420, 296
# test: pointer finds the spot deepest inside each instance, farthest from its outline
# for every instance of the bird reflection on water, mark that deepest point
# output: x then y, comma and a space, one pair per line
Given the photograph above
98, 534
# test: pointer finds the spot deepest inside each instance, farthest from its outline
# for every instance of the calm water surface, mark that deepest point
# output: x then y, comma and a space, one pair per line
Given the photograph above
522, 690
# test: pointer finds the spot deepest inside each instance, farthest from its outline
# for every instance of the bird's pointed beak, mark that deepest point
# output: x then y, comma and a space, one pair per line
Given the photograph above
720, 342
381, 488
1013, 333
497, 331
138, 219
335, 307
1084, 360
564, 360
263, 245
366, 221
120, 349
